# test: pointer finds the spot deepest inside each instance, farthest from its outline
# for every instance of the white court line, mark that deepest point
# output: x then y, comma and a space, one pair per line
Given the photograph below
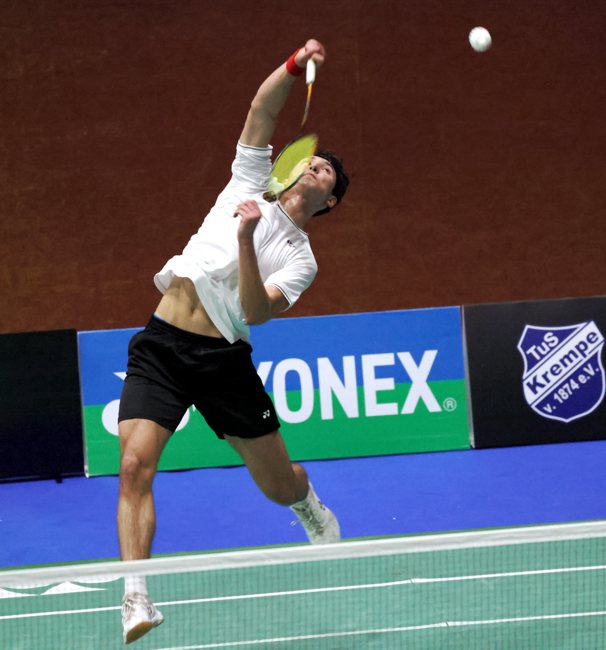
317, 590
388, 630
510, 574
383, 585
66, 612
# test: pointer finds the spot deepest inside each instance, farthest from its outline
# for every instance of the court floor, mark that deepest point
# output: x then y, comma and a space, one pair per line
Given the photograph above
43, 522
472, 591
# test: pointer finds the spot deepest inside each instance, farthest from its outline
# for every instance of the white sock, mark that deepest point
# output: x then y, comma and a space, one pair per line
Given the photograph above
135, 584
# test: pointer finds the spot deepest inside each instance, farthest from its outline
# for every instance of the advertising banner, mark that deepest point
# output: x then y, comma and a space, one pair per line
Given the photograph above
536, 371
343, 386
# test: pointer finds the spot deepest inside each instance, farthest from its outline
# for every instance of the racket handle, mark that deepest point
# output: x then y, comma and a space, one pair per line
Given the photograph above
310, 75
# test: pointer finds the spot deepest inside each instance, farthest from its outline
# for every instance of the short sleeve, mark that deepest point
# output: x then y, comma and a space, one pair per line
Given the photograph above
293, 280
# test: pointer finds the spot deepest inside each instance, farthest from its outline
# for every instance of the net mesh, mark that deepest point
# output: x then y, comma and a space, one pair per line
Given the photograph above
534, 587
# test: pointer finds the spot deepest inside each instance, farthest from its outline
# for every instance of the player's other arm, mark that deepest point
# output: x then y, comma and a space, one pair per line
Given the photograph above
272, 95
260, 303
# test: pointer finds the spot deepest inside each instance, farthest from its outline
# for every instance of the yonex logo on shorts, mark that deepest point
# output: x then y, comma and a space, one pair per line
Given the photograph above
266, 414
563, 374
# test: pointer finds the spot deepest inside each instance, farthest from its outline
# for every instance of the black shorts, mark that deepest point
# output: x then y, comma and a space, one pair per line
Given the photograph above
170, 369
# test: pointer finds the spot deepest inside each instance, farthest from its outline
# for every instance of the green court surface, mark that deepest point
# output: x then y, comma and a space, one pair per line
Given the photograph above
516, 589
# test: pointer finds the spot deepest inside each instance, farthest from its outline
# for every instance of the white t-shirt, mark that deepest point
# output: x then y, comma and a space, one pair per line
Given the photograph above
210, 259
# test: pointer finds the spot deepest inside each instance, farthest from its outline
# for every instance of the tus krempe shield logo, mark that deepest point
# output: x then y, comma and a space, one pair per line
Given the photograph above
563, 373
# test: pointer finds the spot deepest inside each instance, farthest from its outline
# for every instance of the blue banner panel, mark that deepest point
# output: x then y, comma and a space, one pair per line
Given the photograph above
337, 337
343, 386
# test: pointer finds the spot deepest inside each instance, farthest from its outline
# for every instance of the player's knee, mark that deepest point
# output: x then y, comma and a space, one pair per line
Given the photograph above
135, 473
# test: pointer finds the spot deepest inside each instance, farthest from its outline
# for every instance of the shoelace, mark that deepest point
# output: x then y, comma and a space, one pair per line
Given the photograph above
130, 602
308, 516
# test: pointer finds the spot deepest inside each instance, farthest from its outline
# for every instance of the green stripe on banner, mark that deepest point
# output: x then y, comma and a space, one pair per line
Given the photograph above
418, 431
312, 429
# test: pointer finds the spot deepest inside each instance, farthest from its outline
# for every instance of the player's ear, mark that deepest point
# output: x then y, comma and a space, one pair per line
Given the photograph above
331, 201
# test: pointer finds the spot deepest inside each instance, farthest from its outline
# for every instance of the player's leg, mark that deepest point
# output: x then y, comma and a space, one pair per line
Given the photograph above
236, 402
141, 445
152, 404
269, 465
286, 483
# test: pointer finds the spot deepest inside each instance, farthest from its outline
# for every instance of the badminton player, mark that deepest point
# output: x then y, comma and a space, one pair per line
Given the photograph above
249, 261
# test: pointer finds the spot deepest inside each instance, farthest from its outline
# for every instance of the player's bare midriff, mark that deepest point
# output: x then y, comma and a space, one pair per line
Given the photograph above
181, 307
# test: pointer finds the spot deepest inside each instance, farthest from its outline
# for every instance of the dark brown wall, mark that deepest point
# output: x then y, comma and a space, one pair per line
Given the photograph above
476, 178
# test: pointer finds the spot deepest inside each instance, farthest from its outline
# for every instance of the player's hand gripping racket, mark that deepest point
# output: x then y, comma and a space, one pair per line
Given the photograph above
294, 159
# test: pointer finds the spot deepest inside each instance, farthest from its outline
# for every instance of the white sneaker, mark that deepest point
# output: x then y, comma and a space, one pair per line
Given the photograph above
139, 616
319, 522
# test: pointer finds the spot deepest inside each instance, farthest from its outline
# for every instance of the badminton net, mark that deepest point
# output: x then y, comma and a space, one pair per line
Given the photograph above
531, 587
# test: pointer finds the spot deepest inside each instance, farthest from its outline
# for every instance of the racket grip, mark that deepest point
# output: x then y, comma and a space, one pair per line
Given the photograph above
310, 74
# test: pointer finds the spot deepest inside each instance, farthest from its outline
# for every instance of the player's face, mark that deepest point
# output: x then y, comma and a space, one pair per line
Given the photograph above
320, 174
318, 183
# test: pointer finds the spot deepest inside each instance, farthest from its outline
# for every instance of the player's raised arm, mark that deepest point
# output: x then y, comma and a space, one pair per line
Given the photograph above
273, 93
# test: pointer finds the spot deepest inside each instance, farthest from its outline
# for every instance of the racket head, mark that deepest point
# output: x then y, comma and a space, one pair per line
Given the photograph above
290, 164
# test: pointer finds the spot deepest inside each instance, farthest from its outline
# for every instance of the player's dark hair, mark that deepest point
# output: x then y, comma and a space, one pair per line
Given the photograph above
342, 181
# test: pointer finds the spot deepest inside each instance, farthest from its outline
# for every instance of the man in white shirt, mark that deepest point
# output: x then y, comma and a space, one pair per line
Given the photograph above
249, 261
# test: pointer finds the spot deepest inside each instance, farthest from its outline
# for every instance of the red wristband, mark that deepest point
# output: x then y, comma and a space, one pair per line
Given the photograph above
292, 67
